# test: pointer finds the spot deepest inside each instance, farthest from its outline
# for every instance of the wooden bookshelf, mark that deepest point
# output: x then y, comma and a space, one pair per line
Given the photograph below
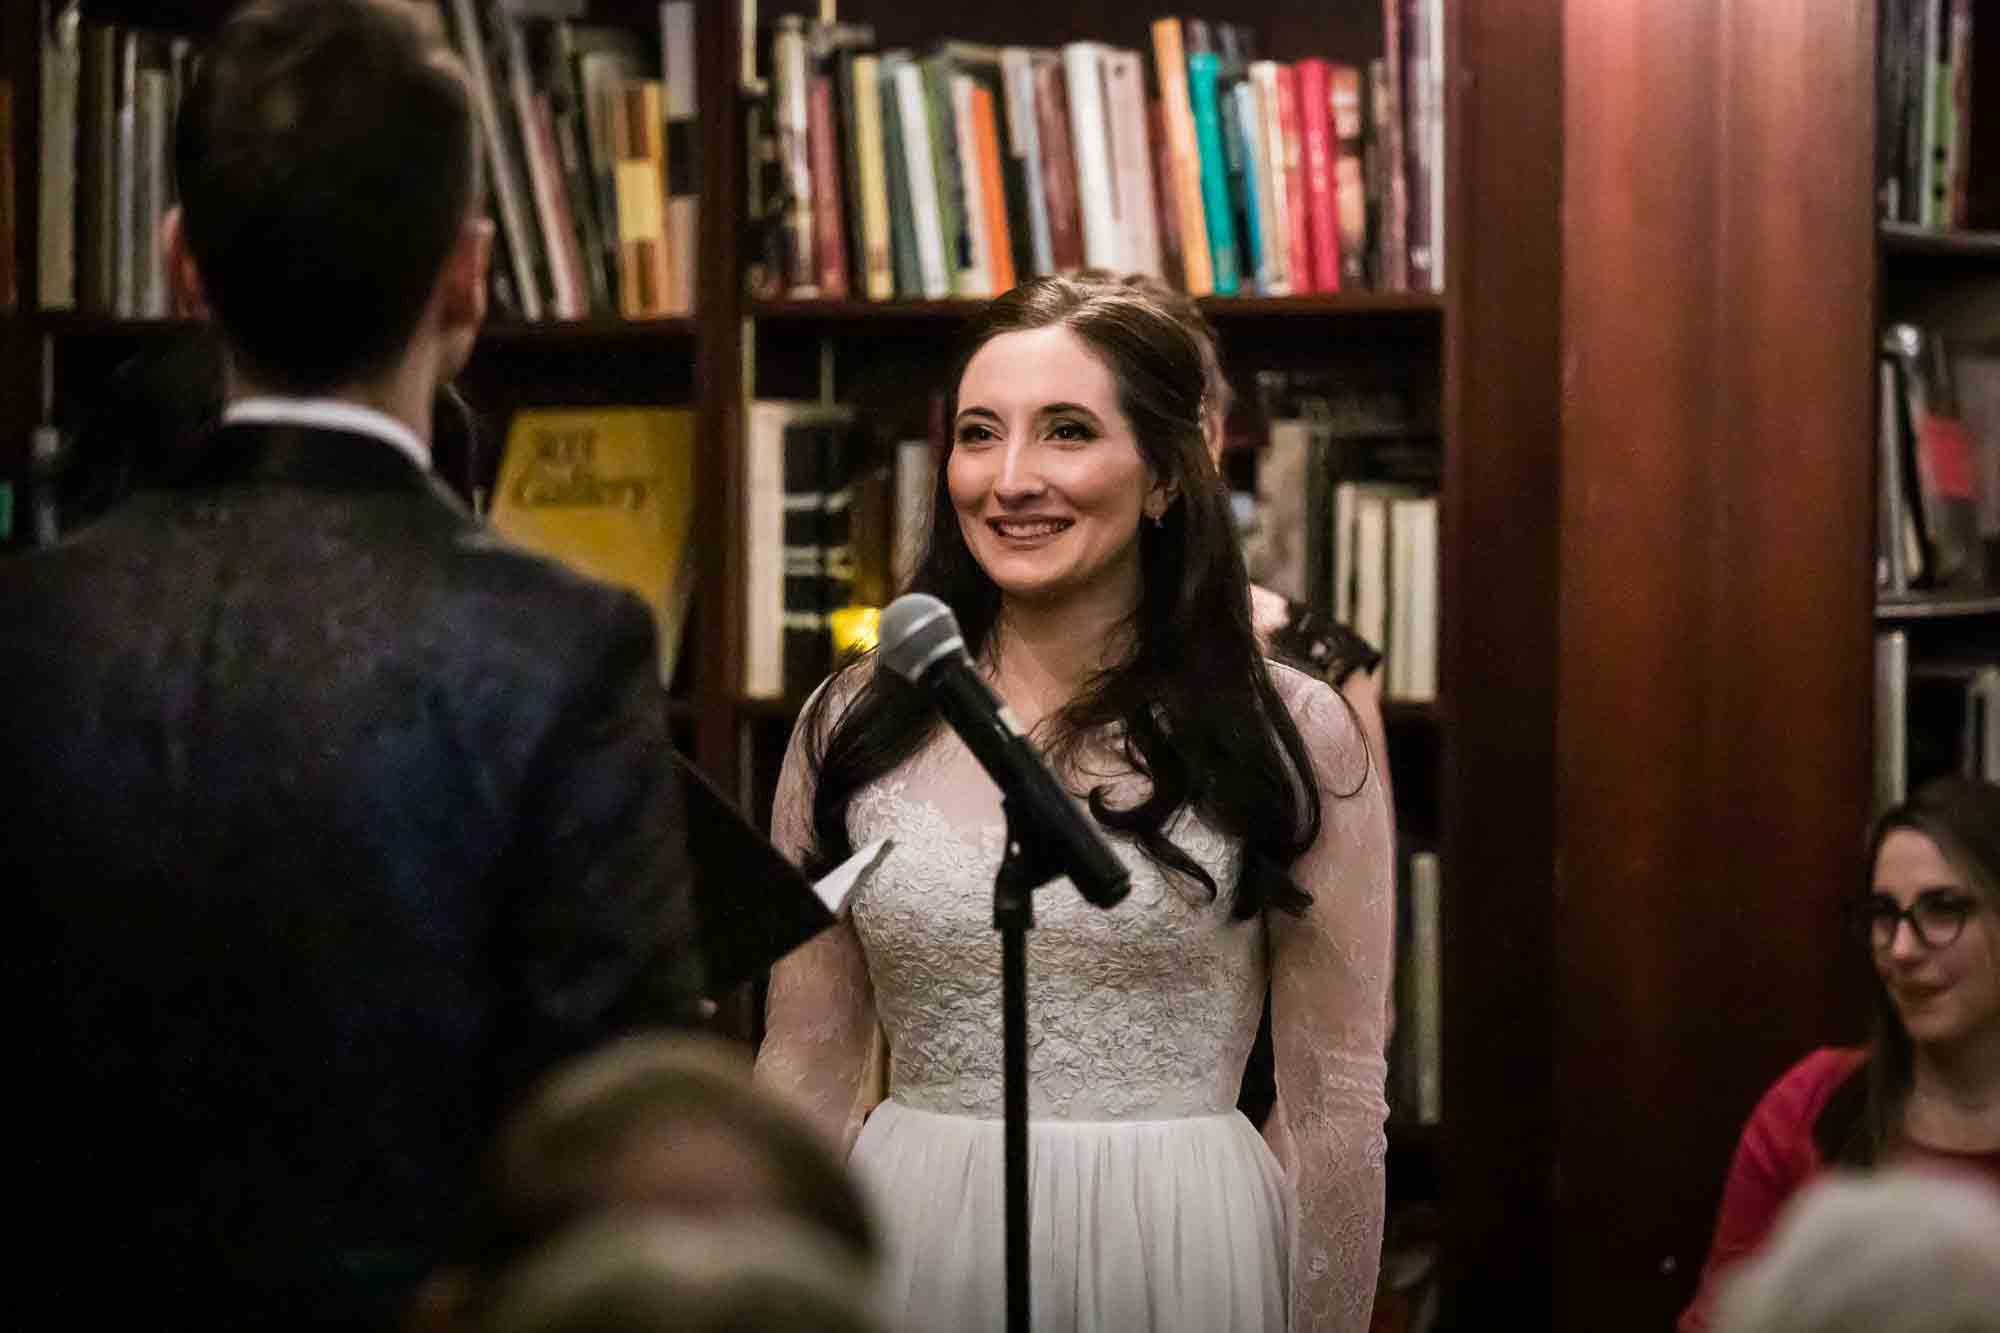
1901, 238
1890, 609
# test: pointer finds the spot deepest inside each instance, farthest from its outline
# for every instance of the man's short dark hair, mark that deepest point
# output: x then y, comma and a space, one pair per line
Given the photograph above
327, 159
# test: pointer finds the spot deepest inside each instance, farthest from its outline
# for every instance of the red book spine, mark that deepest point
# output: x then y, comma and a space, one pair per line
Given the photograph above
829, 232
1058, 165
1288, 156
1315, 118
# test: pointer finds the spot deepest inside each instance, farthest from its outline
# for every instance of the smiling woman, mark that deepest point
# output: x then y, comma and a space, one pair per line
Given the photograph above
1927, 1088
1081, 535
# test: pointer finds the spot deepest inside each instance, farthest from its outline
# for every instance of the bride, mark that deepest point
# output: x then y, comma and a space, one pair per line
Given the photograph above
1082, 537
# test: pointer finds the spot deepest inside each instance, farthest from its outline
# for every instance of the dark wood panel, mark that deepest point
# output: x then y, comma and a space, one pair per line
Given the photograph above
1503, 281
1715, 603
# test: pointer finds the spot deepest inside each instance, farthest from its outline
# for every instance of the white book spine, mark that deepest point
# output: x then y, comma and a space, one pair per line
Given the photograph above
1402, 600
155, 111
788, 114
514, 221
1083, 74
915, 117
1420, 518
62, 67
878, 270
764, 552
1344, 499
1892, 717
1427, 988
977, 279
1371, 572
545, 183
915, 474
1273, 193
1132, 160
1018, 81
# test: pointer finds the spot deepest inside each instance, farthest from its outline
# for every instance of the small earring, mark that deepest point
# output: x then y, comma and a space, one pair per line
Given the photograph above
1160, 519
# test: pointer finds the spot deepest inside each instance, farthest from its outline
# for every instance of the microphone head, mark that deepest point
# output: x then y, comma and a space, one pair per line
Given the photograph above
917, 631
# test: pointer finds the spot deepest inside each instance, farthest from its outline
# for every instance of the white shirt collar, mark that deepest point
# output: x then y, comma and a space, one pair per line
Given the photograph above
329, 414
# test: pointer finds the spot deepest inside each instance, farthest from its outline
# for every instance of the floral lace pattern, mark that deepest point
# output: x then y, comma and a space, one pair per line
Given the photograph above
1146, 1011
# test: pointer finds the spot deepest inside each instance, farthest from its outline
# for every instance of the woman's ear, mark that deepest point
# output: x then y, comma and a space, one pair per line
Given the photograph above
1159, 499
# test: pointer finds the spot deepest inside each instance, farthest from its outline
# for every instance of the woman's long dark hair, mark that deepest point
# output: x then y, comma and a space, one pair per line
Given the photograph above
1863, 1118
1190, 702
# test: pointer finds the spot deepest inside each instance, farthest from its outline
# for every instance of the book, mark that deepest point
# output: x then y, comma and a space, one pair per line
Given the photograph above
1943, 452
1266, 144
976, 274
1090, 139
1892, 726
903, 244
870, 176
97, 169
1170, 71
765, 528
818, 469
1059, 181
1413, 585
1205, 97
683, 151
56, 216
511, 202
1290, 150
1317, 149
1350, 175
636, 132
1131, 161
609, 491
829, 209
790, 119
553, 52
1024, 144
605, 59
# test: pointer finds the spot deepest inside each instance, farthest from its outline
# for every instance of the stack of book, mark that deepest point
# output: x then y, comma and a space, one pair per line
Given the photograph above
963, 170
591, 157
108, 98
1938, 142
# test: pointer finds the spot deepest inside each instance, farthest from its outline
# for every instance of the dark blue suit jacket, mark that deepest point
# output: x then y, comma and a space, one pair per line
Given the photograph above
334, 819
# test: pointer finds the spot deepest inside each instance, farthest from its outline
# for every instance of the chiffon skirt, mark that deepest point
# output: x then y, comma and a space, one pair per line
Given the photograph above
1174, 1226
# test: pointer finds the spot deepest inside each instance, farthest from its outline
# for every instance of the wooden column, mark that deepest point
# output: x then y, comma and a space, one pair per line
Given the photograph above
1715, 586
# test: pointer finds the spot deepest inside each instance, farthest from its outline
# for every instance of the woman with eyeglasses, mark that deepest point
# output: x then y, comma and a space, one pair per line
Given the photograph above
1925, 1091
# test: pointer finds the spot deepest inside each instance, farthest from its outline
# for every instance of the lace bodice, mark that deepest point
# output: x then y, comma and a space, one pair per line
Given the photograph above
1144, 1011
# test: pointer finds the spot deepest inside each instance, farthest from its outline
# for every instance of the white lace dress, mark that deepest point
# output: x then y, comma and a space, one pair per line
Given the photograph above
1153, 1203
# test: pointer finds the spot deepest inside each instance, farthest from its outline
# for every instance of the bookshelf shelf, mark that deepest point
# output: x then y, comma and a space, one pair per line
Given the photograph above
1411, 712
1936, 608
588, 330
1906, 239
810, 310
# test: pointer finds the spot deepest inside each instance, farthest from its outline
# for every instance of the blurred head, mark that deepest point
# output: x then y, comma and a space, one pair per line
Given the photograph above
663, 1125
1913, 1252
645, 1274
328, 173
1933, 918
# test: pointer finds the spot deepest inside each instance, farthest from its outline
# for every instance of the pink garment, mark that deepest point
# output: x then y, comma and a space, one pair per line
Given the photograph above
1776, 1157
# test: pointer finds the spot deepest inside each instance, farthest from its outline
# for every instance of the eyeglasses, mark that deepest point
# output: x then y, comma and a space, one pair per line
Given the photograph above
1937, 916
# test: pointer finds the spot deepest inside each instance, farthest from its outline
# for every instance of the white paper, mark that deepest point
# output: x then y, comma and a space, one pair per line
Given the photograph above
834, 887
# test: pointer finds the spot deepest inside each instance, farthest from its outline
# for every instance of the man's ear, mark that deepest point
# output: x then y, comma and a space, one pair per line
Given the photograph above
183, 276
461, 291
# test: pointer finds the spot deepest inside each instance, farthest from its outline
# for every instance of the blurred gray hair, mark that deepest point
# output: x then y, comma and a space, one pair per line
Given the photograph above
636, 1274
1912, 1251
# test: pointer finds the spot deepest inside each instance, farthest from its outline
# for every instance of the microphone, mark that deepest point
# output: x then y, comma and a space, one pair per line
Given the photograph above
920, 641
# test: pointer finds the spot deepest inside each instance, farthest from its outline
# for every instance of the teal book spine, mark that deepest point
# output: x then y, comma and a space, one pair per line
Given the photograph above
1242, 128
1202, 92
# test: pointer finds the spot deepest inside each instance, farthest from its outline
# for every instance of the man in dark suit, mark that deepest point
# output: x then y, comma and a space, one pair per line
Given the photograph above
333, 819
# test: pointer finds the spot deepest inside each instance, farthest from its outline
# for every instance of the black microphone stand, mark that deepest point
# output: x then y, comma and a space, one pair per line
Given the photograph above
1024, 868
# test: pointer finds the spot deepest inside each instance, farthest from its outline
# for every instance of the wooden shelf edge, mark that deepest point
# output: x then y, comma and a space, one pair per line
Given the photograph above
810, 310
1936, 608
76, 324
1907, 238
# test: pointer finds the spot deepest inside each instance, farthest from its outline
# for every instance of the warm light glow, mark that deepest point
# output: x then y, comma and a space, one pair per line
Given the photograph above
855, 627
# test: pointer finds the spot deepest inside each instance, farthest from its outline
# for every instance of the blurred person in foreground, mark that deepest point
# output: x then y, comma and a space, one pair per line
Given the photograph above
1908, 1251
1925, 1091
647, 1274
653, 1126
336, 819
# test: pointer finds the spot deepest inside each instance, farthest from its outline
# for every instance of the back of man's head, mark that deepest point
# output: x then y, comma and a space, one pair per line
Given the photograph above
327, 161
1912, 1251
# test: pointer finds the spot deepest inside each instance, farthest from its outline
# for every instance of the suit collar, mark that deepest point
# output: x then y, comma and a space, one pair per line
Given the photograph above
341, 460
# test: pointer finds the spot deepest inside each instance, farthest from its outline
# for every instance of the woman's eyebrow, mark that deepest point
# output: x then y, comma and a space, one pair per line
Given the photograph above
1055, 409
977, 411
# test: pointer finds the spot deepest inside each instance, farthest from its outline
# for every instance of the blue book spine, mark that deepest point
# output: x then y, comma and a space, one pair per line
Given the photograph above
1202, 92
1243, 125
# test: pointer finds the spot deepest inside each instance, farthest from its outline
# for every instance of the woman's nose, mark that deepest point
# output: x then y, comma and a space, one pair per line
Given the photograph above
1020, 472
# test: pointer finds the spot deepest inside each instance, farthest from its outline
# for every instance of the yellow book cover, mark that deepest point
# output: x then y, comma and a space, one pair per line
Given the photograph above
609, 491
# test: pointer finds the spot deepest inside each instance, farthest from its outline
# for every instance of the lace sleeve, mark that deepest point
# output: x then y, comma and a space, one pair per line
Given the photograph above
1329, 1012
819, 1028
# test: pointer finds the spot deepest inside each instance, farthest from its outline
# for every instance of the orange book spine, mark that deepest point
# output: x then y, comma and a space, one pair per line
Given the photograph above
993, 193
